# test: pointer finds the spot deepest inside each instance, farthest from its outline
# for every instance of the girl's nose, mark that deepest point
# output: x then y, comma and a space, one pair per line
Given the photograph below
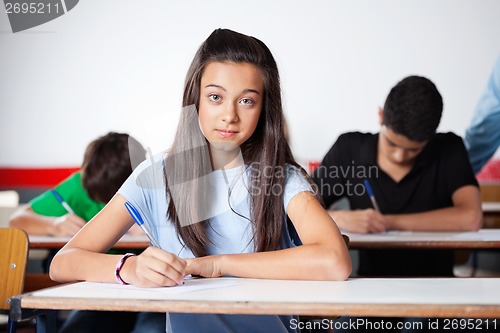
229, 113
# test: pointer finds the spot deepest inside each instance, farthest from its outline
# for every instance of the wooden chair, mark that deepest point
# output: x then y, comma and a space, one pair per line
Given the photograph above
14, 245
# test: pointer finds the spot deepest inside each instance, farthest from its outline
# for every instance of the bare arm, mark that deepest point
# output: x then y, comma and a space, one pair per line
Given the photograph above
360, 221
83, 257
135, 230
465, 214
324, 255
35, 224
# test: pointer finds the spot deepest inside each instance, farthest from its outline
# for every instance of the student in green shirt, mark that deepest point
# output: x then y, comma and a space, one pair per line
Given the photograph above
44, 215
106, 165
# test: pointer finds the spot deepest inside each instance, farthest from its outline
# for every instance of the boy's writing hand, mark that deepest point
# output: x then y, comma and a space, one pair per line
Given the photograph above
67, 225
154, 268
361, 221
204, 266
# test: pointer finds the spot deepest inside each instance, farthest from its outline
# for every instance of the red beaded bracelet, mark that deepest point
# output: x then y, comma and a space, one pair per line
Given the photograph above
119, 266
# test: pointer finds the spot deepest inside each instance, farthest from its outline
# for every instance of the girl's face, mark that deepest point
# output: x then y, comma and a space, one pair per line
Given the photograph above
230, 103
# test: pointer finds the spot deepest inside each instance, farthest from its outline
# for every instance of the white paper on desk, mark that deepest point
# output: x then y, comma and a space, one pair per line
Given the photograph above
481, 235
376, 237
48, 239
190, 285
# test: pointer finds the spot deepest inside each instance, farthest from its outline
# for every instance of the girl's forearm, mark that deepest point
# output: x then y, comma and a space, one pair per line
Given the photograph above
307, 262
81, 265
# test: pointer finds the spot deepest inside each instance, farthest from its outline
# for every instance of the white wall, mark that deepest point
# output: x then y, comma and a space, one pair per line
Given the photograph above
120, 65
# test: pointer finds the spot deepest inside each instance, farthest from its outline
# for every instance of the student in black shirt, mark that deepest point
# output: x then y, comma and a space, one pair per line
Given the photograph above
421, 181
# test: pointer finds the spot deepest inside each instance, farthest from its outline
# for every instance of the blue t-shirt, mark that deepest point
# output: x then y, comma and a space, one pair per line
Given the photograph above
228, 207
482, 138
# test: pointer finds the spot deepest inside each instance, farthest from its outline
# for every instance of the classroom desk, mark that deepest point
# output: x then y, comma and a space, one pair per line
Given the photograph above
491, 208
35, 281
394, 297
126, 242
482, 239
491, 214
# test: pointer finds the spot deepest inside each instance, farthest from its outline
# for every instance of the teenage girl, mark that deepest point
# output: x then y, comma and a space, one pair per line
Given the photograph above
218, 201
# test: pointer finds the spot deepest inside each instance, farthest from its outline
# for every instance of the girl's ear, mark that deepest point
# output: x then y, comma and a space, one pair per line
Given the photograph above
380, 115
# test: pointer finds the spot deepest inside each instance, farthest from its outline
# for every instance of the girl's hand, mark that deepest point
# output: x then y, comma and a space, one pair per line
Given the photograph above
154, 268
204, 266
66, 226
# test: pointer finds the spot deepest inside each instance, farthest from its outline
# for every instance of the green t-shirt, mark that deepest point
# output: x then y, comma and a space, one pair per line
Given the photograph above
72, 191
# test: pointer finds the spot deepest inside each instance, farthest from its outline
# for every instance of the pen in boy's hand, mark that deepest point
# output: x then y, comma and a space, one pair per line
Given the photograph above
62, 202
138, 219
371, 195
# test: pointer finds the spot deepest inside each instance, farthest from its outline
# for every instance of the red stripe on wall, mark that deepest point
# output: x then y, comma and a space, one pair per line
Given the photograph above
33, 177
490, 173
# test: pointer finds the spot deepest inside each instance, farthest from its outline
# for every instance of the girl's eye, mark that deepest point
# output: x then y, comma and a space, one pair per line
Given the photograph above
214, 97
246, 101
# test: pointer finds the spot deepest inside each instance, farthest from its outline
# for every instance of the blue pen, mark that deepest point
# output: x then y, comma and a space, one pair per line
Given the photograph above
63, 203
138, 219
371, 195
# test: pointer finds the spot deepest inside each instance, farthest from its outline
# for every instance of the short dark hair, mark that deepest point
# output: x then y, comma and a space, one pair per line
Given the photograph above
413, 108
107, 164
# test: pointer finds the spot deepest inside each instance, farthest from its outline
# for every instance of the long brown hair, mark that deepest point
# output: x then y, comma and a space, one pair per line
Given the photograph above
266, 149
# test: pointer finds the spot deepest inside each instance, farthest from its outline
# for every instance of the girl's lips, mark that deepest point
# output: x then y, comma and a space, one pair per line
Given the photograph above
226, 133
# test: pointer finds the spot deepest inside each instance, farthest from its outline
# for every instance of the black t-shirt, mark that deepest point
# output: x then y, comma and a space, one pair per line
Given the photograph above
440, 169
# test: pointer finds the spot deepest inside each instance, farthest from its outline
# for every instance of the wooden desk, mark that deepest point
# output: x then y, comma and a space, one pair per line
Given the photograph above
407, 297
491, 208
42, 280
482, 239
126, 242
491, 214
